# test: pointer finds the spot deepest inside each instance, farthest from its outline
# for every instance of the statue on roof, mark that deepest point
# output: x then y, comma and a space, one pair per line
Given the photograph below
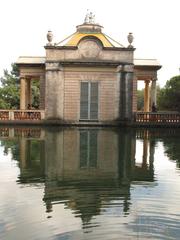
86, 20
89, 18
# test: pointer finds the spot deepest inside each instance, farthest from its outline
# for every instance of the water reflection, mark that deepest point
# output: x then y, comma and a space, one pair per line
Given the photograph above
84, 167
82, 170
89, 171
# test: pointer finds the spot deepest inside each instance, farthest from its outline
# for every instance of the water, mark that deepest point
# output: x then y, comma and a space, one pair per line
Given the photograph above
93, 183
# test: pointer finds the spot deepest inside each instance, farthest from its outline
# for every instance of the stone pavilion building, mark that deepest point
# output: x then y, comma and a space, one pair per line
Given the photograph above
88, 78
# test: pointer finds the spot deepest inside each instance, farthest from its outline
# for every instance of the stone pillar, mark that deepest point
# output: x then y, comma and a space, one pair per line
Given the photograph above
134, 95
120, 86
42, 92
54, 92
28, 92
22, 93
153, 92
146, 96
128, 69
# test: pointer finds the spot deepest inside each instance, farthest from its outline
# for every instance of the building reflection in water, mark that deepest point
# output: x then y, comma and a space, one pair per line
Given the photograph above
86, 169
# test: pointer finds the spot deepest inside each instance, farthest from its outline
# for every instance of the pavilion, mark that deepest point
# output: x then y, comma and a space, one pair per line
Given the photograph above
88, 77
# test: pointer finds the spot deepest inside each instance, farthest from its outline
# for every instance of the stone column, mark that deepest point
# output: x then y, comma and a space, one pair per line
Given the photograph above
146, 96
153, 92
134, 93
22, 93
128, 69
42, 92
54, 92
120, 86
28, 92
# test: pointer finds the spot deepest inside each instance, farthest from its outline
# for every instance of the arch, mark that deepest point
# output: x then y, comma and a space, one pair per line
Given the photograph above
91, 37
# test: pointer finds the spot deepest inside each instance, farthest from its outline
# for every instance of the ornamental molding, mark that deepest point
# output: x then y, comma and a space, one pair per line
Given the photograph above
55, 66
129, 68
119, 68
89, 48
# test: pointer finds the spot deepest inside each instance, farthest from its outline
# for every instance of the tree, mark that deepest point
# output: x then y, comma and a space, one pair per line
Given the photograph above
169, 96
10, 90
140, 100
35, 88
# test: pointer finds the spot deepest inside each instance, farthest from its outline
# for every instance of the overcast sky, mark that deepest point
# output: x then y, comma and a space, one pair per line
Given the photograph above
154, 23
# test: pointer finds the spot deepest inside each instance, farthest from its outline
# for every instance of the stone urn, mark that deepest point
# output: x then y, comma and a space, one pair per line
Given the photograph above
130, 40
49, 37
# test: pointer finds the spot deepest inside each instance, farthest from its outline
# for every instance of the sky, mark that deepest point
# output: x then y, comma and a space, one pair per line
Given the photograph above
154, 24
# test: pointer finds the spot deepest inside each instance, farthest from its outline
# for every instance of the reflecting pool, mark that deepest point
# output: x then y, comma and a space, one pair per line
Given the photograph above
89, 183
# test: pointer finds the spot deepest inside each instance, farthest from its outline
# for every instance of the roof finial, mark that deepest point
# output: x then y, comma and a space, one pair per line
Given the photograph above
86, 20
130, 40
89, 18
49, 38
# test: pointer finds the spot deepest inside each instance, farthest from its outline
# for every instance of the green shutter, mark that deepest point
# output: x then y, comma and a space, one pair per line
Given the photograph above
89, 101
84, 100
94, 101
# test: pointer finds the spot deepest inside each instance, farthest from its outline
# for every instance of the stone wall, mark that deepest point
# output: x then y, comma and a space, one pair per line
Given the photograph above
108, 97
75, 53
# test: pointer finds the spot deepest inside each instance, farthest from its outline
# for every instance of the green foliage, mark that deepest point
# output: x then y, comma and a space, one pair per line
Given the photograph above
35, 88
140, 100
169, 96
10, 90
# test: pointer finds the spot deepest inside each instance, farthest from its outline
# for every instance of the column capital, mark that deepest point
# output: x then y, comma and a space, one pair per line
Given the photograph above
42, 76
119, 68
129, 68
26, 77
147, 82
54, 66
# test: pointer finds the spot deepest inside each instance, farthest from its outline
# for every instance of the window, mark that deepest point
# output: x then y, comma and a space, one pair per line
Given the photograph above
89, 101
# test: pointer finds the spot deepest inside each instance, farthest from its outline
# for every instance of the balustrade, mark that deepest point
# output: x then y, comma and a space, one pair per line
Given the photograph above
149, 117
32, 115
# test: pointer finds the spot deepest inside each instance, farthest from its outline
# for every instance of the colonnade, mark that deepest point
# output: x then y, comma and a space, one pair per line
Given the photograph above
125, 106
26, 91
149, 94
